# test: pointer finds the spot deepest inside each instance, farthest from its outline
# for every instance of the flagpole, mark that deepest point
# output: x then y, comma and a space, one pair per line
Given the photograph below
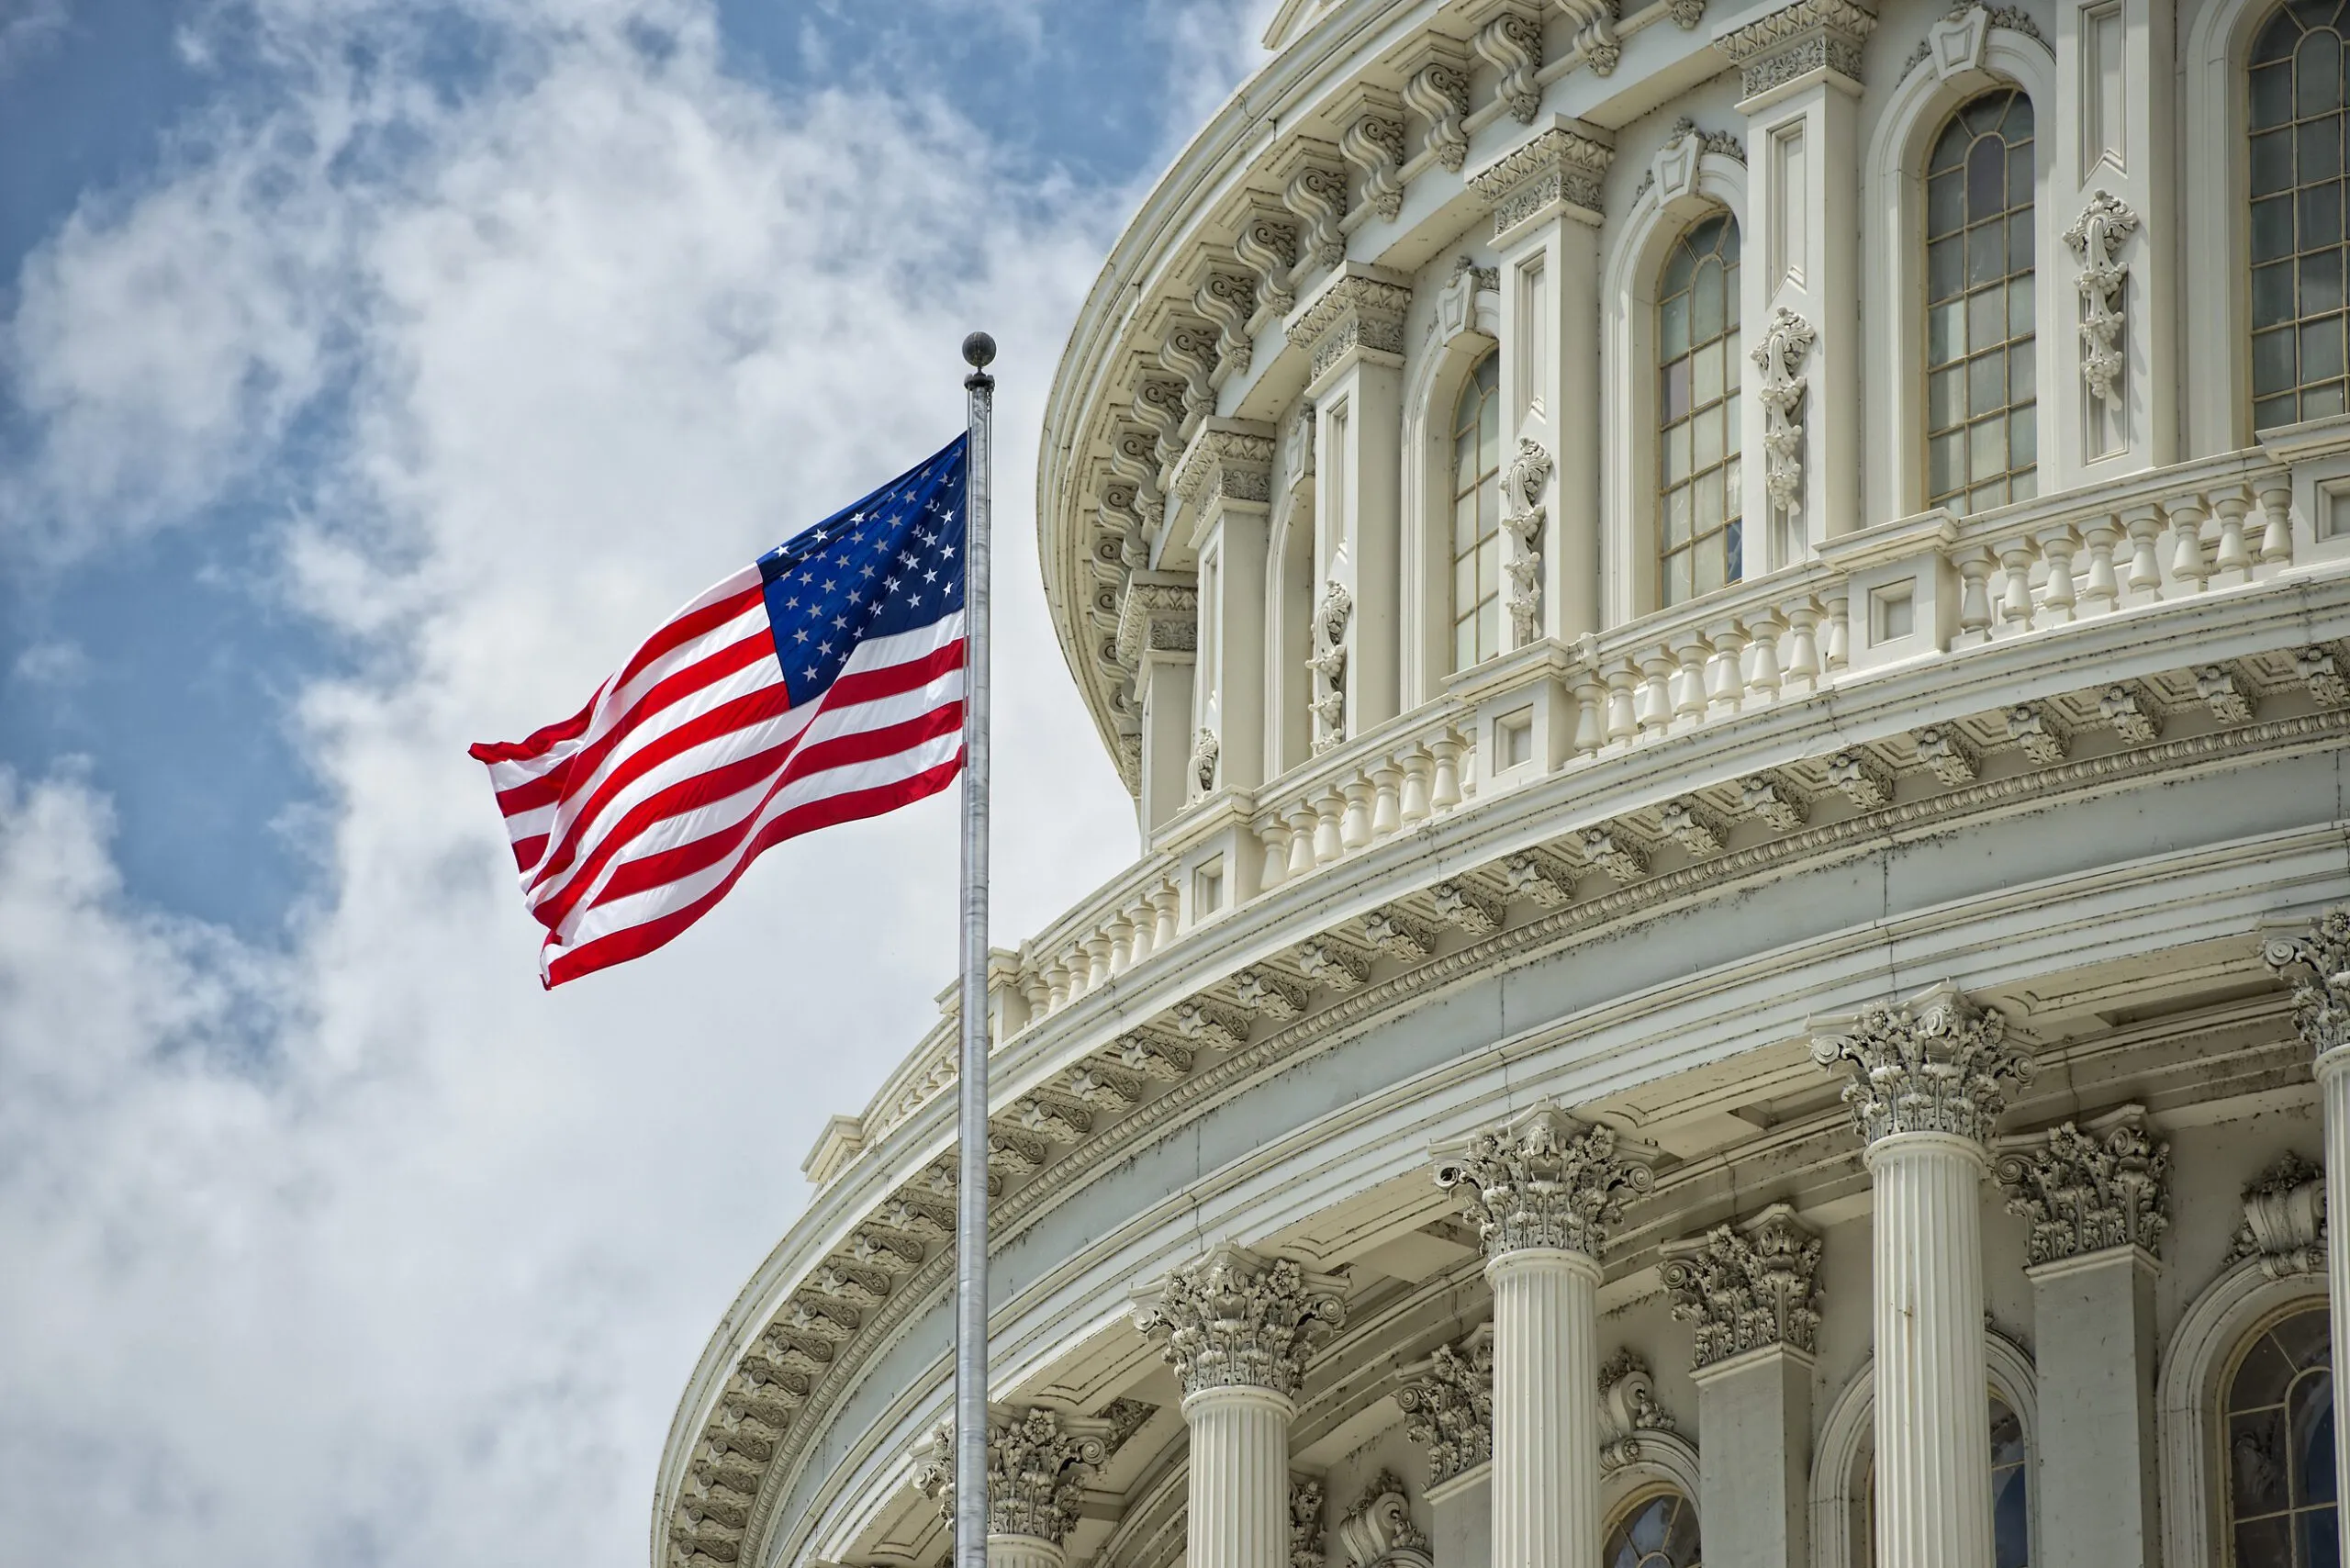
971, 1195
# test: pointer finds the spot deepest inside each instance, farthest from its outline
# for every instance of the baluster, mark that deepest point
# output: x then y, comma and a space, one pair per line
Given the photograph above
2230, 504
2144, 522
1057, 979
1656, 693
2187, 562
1039, 994
1326, 807
1689, 681
1837, 652
1385, 814
1762, 656
2056, 598
1725, 673
1468, 774
2015, 585
1447, 793
1145, 921
1097, 958
1354, 827
1974, 596
1165, 904
1803, 648
1274, 837
1623, 717
1122, 945
1416, 764
1591, 706
1302, 856
2277, 513
2100, 592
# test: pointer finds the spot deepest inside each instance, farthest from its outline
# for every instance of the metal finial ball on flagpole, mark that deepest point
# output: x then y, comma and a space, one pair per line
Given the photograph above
979, 350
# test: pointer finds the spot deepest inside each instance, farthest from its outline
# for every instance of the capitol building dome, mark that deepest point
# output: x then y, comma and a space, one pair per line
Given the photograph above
1729, 625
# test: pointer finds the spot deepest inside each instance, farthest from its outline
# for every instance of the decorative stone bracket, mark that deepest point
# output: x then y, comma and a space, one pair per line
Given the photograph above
2095, 238
1327, 667
1379, 1529
1628, 1408
2284, 1220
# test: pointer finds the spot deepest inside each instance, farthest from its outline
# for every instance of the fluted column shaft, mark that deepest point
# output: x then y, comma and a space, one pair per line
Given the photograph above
1933, 1429
2333, 1088
1546, 1409
1023, 1551
1240, 1479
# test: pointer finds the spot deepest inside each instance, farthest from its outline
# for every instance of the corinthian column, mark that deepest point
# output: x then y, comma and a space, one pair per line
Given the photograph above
2318, 964
1545, 1194
1929, 1080
1038, 1463
1239, 1331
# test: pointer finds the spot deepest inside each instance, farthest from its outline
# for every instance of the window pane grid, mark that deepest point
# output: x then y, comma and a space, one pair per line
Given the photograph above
1982, 390
1476, 517
2297, 307
1699, 525
2279, 1438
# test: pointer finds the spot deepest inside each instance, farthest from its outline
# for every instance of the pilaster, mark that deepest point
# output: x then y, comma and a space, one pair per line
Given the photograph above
1800, 83
1158, 635
1239, 1329
1752, 1292
1545, 1194
1545, 196
1354, 331
2097, 1197
1929, 1080
1225, 480
2319, 965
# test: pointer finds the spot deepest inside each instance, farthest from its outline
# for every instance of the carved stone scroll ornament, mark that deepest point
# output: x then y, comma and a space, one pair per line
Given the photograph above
1229, 301
2095, 238
2284, 1220
2319, 965
1439, 93
1511, 44
1305, 1522
1543, 1182
1268, 247
1522, 518
1628, 1408
1379, 1529
1375, 144
1234, 1320
1780, 355
2086, 1191
1328, 665
1934, 1064
1449, 1406
1038, 1463
1596, 38
1748, 1286
1202, 775
1317, 195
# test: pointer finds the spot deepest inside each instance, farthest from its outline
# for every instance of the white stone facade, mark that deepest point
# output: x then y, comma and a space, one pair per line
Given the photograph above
1811, 1044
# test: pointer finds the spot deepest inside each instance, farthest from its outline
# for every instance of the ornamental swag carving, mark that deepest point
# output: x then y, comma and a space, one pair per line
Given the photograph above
1038, 1463
2319, 965
1328, 665
1449, 1406
1544, 1182
1786, 341
1379, 1529
2094, 238
1522, 518
1627, 1406
1748, 1286
1234, 1321
1934, 1064
2084, 1191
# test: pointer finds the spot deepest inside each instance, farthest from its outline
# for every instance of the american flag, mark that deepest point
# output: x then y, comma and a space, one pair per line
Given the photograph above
820, 684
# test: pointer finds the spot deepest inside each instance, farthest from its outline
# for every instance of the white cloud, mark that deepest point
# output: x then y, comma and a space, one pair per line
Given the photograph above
368, 1251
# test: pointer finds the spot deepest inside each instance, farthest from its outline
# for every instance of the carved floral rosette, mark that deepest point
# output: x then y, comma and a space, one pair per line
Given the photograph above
1234, 1321
1543, 1182
1746, 1287
1935, 1064
1038, 1463
2086, 1191
2319, 965
1448, 1406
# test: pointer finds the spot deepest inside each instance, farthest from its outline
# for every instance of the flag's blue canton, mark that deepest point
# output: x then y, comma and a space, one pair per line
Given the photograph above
888, 563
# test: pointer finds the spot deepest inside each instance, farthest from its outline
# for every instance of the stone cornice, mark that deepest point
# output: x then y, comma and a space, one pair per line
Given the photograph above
1936, 1063
1559, 168
1234, 1320
2085, 1190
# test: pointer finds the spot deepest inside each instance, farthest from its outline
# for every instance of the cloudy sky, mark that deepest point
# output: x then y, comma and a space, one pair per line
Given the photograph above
373, 375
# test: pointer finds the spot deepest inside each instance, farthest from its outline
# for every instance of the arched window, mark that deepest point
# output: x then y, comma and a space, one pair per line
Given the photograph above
2297, 304
1477, 516
1659, 1530
2280, 1436
2010, 1499
1982, 433
1698, 522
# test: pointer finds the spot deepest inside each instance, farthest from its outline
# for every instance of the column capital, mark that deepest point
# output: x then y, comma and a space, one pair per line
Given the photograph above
1936, 1063
1748, 1286
1557, 170
1358, 314
1228, 459
1234, 1320
1038, 1463
1543, 1182
2085, 1189
1449, 1406
1159, 614
1804, 41
2319, 965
